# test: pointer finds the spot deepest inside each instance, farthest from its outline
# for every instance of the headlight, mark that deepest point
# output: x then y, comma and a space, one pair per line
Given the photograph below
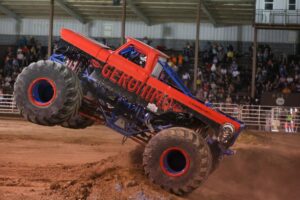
226, 133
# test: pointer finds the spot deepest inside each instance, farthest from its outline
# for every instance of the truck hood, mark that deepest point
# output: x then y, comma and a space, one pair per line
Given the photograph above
87, 45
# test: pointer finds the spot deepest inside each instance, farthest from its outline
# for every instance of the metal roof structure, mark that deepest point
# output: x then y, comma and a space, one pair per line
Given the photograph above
217, 12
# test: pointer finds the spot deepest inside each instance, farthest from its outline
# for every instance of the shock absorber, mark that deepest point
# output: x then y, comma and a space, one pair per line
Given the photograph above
140, 114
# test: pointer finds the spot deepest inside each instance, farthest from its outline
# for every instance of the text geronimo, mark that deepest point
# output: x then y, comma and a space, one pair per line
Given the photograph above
146, 92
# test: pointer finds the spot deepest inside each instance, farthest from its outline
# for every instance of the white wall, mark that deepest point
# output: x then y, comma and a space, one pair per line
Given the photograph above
278, 4
280, 13
7, 26
176, 31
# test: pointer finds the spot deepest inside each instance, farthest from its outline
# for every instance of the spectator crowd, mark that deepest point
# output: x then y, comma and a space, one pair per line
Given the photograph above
221, 77
218, 77
280, 74
15, 59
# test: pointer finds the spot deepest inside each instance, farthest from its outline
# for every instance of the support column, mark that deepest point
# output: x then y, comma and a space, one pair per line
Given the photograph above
88, 28
254, 53
240, 38
123, 22
196, 63
18, 30
50, 36
298, 43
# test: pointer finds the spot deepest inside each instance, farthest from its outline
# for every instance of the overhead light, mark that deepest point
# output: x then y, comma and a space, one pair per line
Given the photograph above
226, 133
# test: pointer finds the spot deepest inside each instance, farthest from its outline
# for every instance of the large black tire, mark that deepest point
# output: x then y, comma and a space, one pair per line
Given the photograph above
47, 93
78, 122
178, 160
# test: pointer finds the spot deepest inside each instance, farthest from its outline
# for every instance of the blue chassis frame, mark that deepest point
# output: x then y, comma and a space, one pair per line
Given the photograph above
129, 129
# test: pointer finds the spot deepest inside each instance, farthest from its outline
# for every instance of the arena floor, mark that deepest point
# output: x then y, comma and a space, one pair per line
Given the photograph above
56, 163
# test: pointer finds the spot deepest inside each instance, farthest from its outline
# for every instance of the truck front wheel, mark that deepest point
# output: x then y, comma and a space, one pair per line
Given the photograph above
177, 159
47, 93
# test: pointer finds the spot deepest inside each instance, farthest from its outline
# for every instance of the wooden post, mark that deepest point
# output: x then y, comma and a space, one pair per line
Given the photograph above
254, 53
123, 28
197, 47
240, 38
50, 36
18, 30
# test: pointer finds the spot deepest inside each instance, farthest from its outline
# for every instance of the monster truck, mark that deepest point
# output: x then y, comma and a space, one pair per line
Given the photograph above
135, 92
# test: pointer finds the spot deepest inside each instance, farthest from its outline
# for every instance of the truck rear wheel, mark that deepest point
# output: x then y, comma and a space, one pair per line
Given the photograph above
177, 159
78, 122
47, 93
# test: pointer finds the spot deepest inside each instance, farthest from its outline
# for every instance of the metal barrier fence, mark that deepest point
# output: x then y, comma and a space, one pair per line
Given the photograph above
277, 16
266, 118
7, 104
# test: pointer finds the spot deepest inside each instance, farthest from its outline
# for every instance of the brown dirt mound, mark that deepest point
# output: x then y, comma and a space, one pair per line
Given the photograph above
112, 178
55, 163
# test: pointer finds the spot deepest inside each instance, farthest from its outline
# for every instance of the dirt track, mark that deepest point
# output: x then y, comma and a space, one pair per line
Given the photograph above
55, 163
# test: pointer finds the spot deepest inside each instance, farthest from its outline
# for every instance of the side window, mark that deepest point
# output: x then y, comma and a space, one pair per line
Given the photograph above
268, 4
134, 55
292, 4
160, 74
157, 70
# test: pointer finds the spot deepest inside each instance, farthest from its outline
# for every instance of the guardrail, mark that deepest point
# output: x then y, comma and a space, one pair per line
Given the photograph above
277, 16
267, 118
7, 104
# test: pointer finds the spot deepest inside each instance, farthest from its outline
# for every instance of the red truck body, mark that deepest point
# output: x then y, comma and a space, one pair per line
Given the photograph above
138, 80
135, 92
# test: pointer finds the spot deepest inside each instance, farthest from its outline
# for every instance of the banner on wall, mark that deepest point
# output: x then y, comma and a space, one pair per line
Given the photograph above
279, 99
